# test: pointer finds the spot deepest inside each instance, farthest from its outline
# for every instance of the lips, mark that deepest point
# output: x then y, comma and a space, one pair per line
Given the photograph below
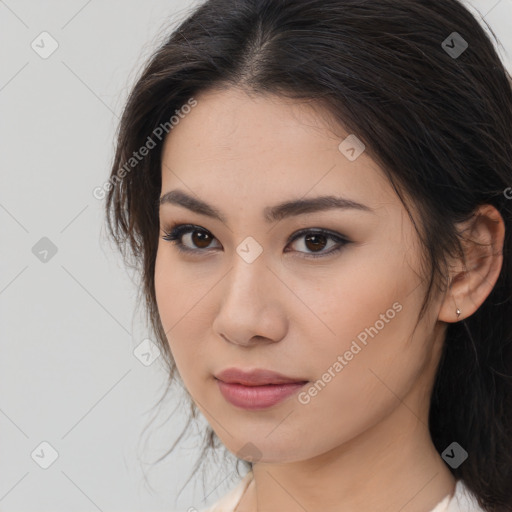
257, 377
256, 389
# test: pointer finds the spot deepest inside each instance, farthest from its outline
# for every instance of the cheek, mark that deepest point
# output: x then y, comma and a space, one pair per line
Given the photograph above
165, 289
174, 289
170, 305
361, 352
360, 301
355, 394
178, 296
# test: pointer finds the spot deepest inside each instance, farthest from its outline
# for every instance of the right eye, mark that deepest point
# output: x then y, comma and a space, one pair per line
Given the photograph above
175, 232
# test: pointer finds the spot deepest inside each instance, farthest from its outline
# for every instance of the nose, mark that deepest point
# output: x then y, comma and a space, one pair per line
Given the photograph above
252, 309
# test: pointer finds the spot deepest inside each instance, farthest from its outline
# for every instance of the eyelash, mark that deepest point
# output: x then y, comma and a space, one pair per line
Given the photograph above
174, 233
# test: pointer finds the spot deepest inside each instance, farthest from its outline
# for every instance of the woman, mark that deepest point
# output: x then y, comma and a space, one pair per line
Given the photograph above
318, 195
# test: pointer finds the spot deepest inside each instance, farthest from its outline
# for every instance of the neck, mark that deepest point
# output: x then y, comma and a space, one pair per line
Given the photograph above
366, 474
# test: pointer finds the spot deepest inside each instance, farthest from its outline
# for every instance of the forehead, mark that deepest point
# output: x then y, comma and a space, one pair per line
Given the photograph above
266, 147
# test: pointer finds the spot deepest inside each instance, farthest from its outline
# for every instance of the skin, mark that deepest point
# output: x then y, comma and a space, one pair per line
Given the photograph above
362, 443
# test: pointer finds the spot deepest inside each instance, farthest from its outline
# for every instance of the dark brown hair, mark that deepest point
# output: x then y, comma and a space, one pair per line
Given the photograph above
438, 123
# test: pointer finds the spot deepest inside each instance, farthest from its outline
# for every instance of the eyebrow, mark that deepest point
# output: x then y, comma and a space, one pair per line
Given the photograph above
270, 213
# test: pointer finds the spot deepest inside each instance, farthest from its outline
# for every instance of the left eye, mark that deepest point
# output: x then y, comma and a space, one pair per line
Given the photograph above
317, 240
314, 239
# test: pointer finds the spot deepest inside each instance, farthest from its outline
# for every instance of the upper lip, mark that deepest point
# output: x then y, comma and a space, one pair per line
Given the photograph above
256, 377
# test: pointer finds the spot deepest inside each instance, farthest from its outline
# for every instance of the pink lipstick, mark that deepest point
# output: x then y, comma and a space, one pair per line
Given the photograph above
256, 389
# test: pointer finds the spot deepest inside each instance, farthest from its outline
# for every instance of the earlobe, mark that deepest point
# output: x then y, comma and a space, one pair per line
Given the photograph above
473, 278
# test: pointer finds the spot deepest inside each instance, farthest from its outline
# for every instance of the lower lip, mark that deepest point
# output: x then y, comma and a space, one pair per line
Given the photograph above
257, 397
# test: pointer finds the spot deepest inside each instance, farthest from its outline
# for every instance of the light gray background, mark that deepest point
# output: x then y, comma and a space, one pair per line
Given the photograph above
67, 369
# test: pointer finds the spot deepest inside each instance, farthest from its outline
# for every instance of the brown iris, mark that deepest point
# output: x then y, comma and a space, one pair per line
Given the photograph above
316, 244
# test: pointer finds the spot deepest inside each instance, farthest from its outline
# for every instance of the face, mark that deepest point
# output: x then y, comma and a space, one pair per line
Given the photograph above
334, 308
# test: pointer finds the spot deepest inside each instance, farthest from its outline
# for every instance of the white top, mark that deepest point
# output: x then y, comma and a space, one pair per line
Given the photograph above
462, 500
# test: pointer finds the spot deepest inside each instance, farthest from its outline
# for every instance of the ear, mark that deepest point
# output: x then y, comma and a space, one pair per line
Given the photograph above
473, 278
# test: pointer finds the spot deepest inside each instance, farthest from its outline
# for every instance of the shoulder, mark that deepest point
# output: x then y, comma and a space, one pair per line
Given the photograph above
463, 500
229, 501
